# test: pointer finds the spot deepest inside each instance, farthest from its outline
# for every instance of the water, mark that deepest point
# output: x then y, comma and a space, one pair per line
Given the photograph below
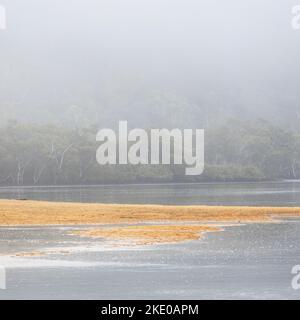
282, 193
243, 262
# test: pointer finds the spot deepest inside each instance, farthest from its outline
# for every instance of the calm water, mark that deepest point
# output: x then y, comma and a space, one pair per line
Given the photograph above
244, 262
283, 193
251, 261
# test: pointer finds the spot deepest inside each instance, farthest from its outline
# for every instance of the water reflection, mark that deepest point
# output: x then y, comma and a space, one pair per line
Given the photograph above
283, 193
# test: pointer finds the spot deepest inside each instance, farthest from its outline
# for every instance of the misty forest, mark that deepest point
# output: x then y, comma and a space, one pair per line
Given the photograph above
235, 151
67, 71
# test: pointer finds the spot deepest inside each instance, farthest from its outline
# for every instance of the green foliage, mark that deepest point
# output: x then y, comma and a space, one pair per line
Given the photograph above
237, 151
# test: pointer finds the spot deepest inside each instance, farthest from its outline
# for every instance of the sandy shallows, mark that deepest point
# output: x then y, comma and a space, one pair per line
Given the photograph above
31, 213
14, 212
143, 235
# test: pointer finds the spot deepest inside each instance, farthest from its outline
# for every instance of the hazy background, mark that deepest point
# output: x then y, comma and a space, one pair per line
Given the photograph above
191, 63
69, 68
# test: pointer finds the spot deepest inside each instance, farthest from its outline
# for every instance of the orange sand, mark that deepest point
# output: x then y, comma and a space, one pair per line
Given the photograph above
142, 235
13, 212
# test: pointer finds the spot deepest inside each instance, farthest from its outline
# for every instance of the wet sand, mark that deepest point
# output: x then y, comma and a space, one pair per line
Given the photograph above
30, 213
16, 212
147, 235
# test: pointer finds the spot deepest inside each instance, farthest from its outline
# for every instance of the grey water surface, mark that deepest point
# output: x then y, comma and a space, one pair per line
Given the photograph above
244, 262
252, 261
276, 193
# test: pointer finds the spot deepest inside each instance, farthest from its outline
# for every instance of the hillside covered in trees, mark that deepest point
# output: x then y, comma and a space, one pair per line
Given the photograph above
68, 70
52, 155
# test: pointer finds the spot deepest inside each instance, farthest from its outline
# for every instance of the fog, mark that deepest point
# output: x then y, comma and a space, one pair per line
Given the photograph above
192, 63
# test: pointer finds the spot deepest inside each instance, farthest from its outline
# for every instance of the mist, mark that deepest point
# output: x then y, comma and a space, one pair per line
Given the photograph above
149, 149
153, 63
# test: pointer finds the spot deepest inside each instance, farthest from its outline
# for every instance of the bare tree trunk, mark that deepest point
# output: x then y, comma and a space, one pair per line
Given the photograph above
38, 173
59, 159
21, 171
293, 170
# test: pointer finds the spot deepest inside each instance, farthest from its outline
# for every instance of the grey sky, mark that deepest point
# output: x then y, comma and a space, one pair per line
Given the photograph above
59, 53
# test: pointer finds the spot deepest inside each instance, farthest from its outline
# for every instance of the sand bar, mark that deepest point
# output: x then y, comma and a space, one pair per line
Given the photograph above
34, 213
16, 212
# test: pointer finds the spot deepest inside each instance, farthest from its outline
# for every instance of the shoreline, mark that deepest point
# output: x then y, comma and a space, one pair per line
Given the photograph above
149, 184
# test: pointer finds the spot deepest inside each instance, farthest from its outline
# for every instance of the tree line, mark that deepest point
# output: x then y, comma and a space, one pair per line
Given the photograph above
54, 155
